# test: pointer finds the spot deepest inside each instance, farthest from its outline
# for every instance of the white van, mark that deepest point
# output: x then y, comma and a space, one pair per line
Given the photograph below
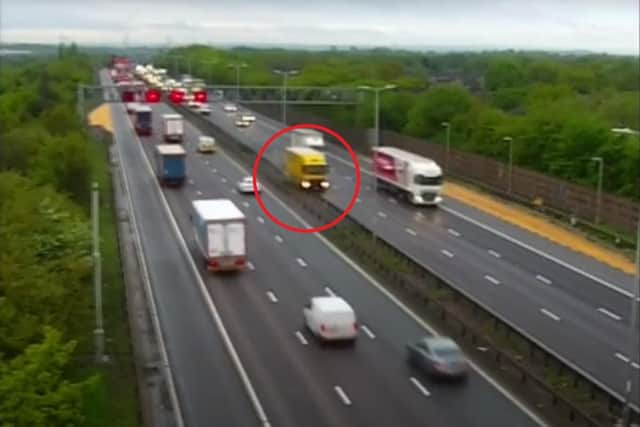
331, 318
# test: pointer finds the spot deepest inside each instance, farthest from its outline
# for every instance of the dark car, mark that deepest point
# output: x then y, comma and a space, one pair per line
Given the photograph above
438, 357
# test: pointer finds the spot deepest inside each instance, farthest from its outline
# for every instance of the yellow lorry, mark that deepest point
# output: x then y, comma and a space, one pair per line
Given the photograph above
307, 168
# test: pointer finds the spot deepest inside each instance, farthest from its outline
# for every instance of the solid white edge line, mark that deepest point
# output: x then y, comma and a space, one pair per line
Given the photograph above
419, 386
253, 396
539, 252
342, 395
609, 313
272, 297
550, 314
525, 409
368, 332
171, 387
446, 253
543, 279
301, 338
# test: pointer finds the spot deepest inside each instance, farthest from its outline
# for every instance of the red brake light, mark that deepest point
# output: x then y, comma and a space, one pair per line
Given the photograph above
355, 326
176, 96
152, 95
239, 261
213, 263
200, 96
322, 328
127, 97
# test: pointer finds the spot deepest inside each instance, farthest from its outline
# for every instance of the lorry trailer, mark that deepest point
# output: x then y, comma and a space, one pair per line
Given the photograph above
220, 233
417, 178
173, 127
143, 120
170, 163
307, 138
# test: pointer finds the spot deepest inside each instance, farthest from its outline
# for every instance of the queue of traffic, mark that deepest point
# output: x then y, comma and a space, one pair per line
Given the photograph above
220, 227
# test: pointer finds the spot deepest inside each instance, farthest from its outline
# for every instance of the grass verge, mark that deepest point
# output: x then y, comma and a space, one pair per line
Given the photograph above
116, 397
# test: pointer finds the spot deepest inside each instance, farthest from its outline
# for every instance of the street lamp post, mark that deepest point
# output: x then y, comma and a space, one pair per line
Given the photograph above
447, 126
600, 162
237, 68
509, 140
97, 274
376, 91
285, 74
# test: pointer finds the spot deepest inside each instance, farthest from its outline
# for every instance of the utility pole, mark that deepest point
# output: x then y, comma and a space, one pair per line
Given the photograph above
237, 68
509, 140
600, 162
447, 127
97, 273
285, 74
376, 91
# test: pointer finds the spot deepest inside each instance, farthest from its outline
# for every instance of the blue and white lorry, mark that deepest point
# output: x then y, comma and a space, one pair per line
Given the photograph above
170, 163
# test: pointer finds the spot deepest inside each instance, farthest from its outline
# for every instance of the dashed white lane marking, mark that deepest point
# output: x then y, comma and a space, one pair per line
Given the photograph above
609, 314
446, 253
199, 193
635, 365
261, 220
190, 181
223, 179
358, 200
382, 214
214, 170
245, 204
368, 331
622, 357
410, 231
342, 395
272, 297
453, 232
492, 279
301, 338
278, 238
348, 178
251, 266
329, 291
392, 200
420, 387
494, 253
543, 279
301, 262
550, 314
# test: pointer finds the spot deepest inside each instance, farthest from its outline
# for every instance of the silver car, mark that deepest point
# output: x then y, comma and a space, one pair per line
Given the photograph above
246, 185
438, 357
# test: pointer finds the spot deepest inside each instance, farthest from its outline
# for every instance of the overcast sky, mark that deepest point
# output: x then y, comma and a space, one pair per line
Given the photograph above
596, 25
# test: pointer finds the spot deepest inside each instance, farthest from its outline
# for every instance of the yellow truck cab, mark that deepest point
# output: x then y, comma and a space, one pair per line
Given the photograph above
306, 167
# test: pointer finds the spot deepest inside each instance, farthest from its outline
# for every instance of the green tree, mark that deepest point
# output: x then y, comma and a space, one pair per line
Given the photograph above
504, 73
438, 104
33, 388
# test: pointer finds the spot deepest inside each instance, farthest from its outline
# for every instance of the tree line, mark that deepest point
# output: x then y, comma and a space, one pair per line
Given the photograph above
45, 250
559, 109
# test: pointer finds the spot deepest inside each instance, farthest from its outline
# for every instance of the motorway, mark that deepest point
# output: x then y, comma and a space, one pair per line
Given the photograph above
580, 313
297, 382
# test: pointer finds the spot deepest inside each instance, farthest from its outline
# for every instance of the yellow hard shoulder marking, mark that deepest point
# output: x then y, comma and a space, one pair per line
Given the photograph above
101, 116
538, 226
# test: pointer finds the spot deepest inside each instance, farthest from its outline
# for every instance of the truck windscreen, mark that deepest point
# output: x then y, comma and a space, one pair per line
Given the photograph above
315, 169
426, 180
145, 116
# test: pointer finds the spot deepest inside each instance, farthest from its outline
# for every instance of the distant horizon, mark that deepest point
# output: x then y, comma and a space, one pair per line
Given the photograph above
327, 47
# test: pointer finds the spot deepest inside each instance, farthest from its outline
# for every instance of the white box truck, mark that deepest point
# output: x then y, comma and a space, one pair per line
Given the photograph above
172, 127
220, 234
307, 138
418, 178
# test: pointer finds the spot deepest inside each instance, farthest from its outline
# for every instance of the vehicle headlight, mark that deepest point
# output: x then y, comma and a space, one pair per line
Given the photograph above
305, 184
324, 184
